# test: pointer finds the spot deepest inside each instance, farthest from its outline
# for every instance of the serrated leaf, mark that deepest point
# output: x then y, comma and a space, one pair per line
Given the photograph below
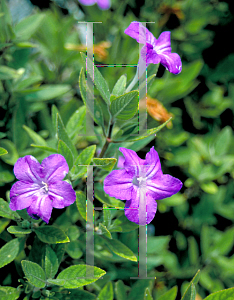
106, 292
66, 152
99, 81
190, 289
78, 275
227, 294
51, 262
125, 106
28, 26
169, 295
34, 273
44, 148
35, 137
148, 132
105, 163
5, 210
120, 86
81, 203
120, 249
18, 230
51, 235
9, 252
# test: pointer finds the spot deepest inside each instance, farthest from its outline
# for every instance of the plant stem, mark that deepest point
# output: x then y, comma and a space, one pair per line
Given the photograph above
134, 81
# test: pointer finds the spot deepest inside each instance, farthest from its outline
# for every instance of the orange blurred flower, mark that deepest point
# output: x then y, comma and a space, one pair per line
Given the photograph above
99, 49
167, 11
156, 110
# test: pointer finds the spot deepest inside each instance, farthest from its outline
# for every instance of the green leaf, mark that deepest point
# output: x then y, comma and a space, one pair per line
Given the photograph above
209, 187
12, 155
3, 224
190, 291
18, 230
76, 122
28, 26
33, 79
9, 293
223, 141
227, 294
103, 230
75, 276
6, 176
9, 252
45, 92
5, 210
138, 289
81, 203
107, 292
62, 135
169, 295
124, 107
120, 86
34, 273
106, 216
66, 152
147, 295
3, 151
97, 114
99, 81
74, 250
51, 262
51, 235
122, 224
148, 132
104, 198
105, 163
120, 290
79, 295
44, 148
9, 73
84, 158
35, 137
120, 249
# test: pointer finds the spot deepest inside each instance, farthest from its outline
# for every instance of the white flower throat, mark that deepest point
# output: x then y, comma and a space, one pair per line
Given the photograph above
45, 186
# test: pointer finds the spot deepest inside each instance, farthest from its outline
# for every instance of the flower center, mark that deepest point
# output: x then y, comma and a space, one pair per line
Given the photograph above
45, 186
139, 180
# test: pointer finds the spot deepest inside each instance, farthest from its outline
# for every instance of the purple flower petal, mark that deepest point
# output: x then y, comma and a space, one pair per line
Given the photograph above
152, 163
61, 194
54, 168
22, 194
103, 4
42, 207
164, 186
140, 33
118, 184
88, 2
132, 209
28, 169
148, 54
172, 62
120, 164
163, 43
133, 162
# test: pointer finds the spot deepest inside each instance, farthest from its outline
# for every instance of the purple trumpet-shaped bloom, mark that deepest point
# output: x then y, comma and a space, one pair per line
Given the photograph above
125, 184
41, 186
103, 4
155, 50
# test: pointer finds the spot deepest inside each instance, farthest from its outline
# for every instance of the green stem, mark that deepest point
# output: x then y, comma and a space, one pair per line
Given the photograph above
134, 81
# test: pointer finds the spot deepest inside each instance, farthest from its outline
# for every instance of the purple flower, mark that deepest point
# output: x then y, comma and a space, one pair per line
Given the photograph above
103, 4
126, 184
155, 50
40, 186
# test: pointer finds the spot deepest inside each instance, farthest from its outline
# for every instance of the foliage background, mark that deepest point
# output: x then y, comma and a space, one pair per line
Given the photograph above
191, 230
